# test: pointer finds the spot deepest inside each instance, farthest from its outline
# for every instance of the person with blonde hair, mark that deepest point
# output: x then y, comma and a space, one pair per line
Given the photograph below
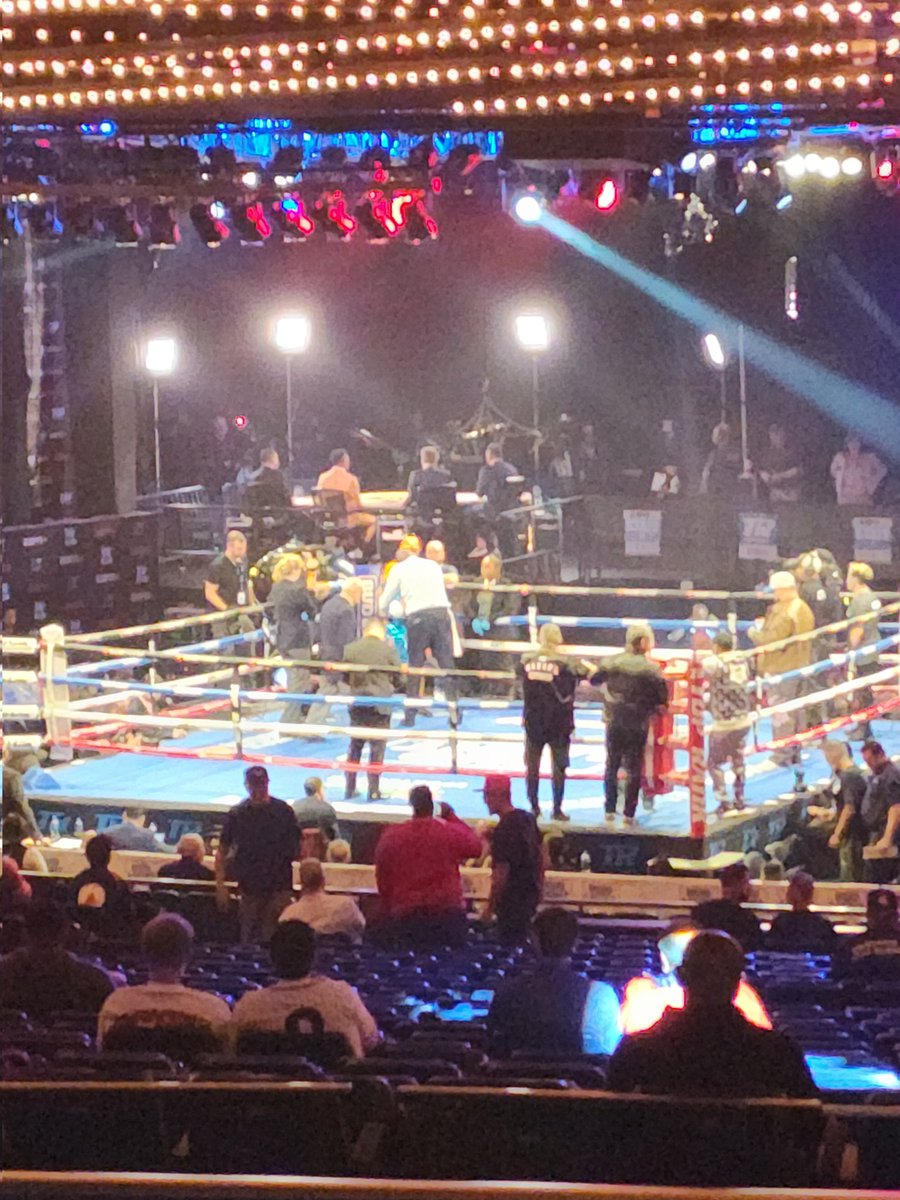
339, 851
190, 864
323, 912
549, 681
293, 611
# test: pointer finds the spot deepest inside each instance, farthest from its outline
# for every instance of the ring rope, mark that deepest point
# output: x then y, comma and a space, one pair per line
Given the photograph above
841, 659
663, 623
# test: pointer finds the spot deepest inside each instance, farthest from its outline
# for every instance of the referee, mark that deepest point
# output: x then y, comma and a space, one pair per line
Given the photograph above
549, 680
417, 585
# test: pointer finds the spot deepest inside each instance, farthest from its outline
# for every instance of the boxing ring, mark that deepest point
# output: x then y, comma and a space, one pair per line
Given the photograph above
172, 727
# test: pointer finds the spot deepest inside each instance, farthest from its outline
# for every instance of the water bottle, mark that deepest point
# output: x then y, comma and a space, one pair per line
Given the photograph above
79, 827
585, 861
54, 827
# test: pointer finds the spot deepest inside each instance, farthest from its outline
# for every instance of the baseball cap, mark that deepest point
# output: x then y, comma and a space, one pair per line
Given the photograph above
497, 785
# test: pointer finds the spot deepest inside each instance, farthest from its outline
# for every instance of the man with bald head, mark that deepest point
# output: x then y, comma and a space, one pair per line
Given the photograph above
709, 1048
634, 691
549, 680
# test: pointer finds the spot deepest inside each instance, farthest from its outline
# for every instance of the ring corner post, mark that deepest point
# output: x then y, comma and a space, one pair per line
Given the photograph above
696, 749
54, 691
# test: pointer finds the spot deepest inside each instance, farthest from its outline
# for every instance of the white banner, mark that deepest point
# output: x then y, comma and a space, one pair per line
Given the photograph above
643, 532
872, 539
758, 537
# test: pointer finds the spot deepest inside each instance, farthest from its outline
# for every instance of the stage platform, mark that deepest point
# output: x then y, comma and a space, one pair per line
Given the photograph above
193, 783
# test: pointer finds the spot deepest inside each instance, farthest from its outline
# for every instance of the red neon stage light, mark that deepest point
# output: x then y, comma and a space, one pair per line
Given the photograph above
337, 213
607, 196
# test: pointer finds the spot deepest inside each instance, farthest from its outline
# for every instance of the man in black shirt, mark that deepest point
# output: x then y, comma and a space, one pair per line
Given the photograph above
293, 611
634, 691
371, 650
728, 913
517, 865
874, 954
493, 485
492, 478
709, 1048
428, 478
549, 680
338, 625
227, 584
848, 786
268, 488
259, 843
43, 977
881, 812
103, 900
800, 929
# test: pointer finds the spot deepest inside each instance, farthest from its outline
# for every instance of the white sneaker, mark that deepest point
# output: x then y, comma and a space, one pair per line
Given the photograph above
630, 822
610, 818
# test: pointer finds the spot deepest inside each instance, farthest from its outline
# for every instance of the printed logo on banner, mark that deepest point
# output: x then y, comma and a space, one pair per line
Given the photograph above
643, 532
758, 537
368, 596
872, 539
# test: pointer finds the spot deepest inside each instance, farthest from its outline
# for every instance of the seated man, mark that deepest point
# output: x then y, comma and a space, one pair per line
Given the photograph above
874, 954
190, 865
493, 486
728, 913
339, 479
167, 944
268, 487
43, 977
417, 873
648, 997
429, 478
323, 913
708, 1048
554, 1007
293, 951
131, 832
314, 811
801, 929
100, 895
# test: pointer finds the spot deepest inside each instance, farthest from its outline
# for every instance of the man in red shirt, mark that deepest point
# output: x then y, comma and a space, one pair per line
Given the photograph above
417, 872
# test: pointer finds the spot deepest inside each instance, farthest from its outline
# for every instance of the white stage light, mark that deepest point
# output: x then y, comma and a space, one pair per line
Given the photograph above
714, 351
159, 355
527, 209
293, 334
533, 331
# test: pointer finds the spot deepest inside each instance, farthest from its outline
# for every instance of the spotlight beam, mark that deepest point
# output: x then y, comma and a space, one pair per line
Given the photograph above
851, 404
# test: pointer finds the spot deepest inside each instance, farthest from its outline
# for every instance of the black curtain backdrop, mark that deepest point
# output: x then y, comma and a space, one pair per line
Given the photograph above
15, 502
